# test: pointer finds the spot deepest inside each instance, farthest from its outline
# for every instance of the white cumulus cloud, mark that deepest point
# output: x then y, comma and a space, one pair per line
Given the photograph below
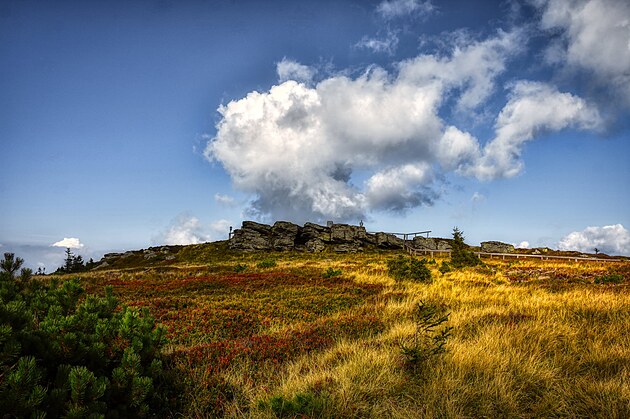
523, 245
296, 147
391, 9
611, 239
69, 242
595, 37
533, 108
292, 70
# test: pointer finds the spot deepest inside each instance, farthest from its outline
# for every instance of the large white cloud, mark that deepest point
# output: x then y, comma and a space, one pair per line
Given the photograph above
533, 108
612, 239
595, 36
69, 242
295, 147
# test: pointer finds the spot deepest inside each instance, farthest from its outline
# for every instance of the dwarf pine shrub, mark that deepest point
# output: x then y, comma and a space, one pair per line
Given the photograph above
331, 272
67, 354
240, 268
408, 268
461, 255
429, 338
267, 263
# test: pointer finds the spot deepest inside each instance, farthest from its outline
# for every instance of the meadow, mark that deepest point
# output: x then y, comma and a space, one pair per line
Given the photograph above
302, 335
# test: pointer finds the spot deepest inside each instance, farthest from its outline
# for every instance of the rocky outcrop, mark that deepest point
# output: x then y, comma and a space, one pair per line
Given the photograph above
496, 247
433, 243
251, 237
388, 241
285, 236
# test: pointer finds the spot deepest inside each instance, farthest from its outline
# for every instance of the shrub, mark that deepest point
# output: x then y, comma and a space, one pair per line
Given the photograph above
66, 354
267, 263
429, 338
402, 268
609, 279
240, 268
330, 272
461, 255
445, 267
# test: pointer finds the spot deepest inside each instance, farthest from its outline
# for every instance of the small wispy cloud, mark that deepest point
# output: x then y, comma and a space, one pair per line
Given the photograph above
477, 197
391, 9
69, 242
386, 45
187, 229
220, 229
292, 70
225, 200
184, 229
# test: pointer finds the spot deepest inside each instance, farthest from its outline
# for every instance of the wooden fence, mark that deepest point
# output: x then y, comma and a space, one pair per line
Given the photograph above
416, 252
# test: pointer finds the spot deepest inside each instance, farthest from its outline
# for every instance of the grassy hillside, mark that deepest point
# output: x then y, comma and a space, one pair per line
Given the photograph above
301, 335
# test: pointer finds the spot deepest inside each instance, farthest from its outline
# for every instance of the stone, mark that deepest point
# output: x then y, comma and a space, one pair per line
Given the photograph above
315, 245
496, 247
342, 233
389, 241
284, 235
424, 243
314, 231
347, 248
443, 244
432, 243
251, 237
101, 266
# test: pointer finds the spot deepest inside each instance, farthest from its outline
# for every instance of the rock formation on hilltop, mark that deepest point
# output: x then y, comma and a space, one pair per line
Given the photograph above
496, 247
282, 236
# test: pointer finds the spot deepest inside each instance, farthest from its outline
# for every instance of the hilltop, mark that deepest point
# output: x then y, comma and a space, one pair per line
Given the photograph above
285, 237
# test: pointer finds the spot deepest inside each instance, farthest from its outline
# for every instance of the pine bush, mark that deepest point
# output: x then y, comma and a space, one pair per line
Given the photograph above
461, 255
67, 354
408, 268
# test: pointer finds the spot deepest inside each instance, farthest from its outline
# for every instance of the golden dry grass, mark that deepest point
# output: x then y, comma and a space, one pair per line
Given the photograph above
533, 348
530, 339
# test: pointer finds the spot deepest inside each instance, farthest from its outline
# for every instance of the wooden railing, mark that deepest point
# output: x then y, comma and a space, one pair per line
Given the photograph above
406, 236
417, 252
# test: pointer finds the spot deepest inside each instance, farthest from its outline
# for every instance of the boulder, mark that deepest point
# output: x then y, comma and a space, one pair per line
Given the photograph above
315, 245
344, 233
433, 243
284, 235
347, 248
496, 247
424, 243
314, 231
388, 241
251, 237
443, 244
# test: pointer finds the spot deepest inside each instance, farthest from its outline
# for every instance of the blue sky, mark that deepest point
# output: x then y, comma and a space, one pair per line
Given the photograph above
130, 124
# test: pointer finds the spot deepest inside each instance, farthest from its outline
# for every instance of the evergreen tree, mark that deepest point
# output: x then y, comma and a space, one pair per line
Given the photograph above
10, 264
77, 263
69, 261
461, 255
